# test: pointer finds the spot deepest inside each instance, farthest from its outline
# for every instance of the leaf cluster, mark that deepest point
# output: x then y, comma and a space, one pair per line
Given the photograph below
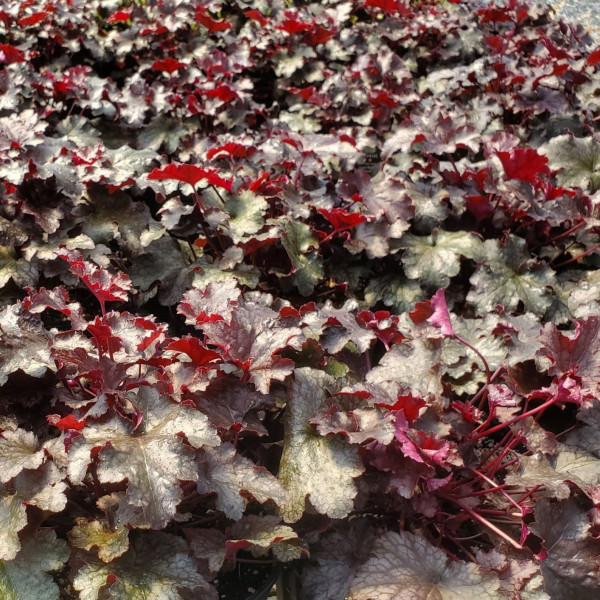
306, 283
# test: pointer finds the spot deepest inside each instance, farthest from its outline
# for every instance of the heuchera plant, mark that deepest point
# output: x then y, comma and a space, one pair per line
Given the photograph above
313, 284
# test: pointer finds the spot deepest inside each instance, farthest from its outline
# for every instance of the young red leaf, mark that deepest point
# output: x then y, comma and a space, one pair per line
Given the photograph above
252, 341
341, 219
56, 299
200, 355
383, 98
191, 174
232, 150
293, 25
120, 16
170, 65
221, 92
9, 55
594, 57
409, 404
384, 325
389, 6
318, 35
66, 423
103, 285
104, 338
215, 303
524, 164
257, 16
578, 351
422, 311
428, 448
33, 19
309, 94
493, 15
205, 20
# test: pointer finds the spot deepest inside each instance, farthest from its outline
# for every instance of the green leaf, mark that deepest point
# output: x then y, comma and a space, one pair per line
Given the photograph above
43, 487
166, 265
107, 217
403, 566
161, 132
509, 276
24, 344
434, 259
394, 291
153, 458
307, 267
224, 270
413, 364
26, 577
340, 551
22, 272
125, 163
587, 437
321, 467
461, 363
246, 215
258, 533
534, 589
577, 158
156, 566
111, 543
18, 450
224, 471
13, 518
569, 465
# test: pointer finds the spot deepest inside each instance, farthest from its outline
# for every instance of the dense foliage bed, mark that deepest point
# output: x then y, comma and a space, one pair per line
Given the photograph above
310, 284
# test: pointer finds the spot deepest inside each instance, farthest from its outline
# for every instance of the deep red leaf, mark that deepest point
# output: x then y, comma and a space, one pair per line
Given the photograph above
9, 54
103, 285
200, 354
103, 337
205, 20
407, 403
120, 16
222, 91
384, 325
421, 312
493, 15
524, 164
191, 174
341, 219
318, 35
293, 25
231, 149
389, 6
170, 65
66, 423
256, 15
594, 57
33, 19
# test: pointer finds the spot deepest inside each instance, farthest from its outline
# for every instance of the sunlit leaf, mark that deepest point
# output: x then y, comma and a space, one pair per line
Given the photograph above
404, 566
320, 467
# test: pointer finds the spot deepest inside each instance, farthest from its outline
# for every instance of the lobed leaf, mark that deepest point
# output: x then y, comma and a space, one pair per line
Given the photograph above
224, 471
320, 467
156, 567
27, 577
403, 566
153, 458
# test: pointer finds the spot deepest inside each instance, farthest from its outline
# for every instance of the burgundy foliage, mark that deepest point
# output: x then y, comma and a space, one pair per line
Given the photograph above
313, 284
